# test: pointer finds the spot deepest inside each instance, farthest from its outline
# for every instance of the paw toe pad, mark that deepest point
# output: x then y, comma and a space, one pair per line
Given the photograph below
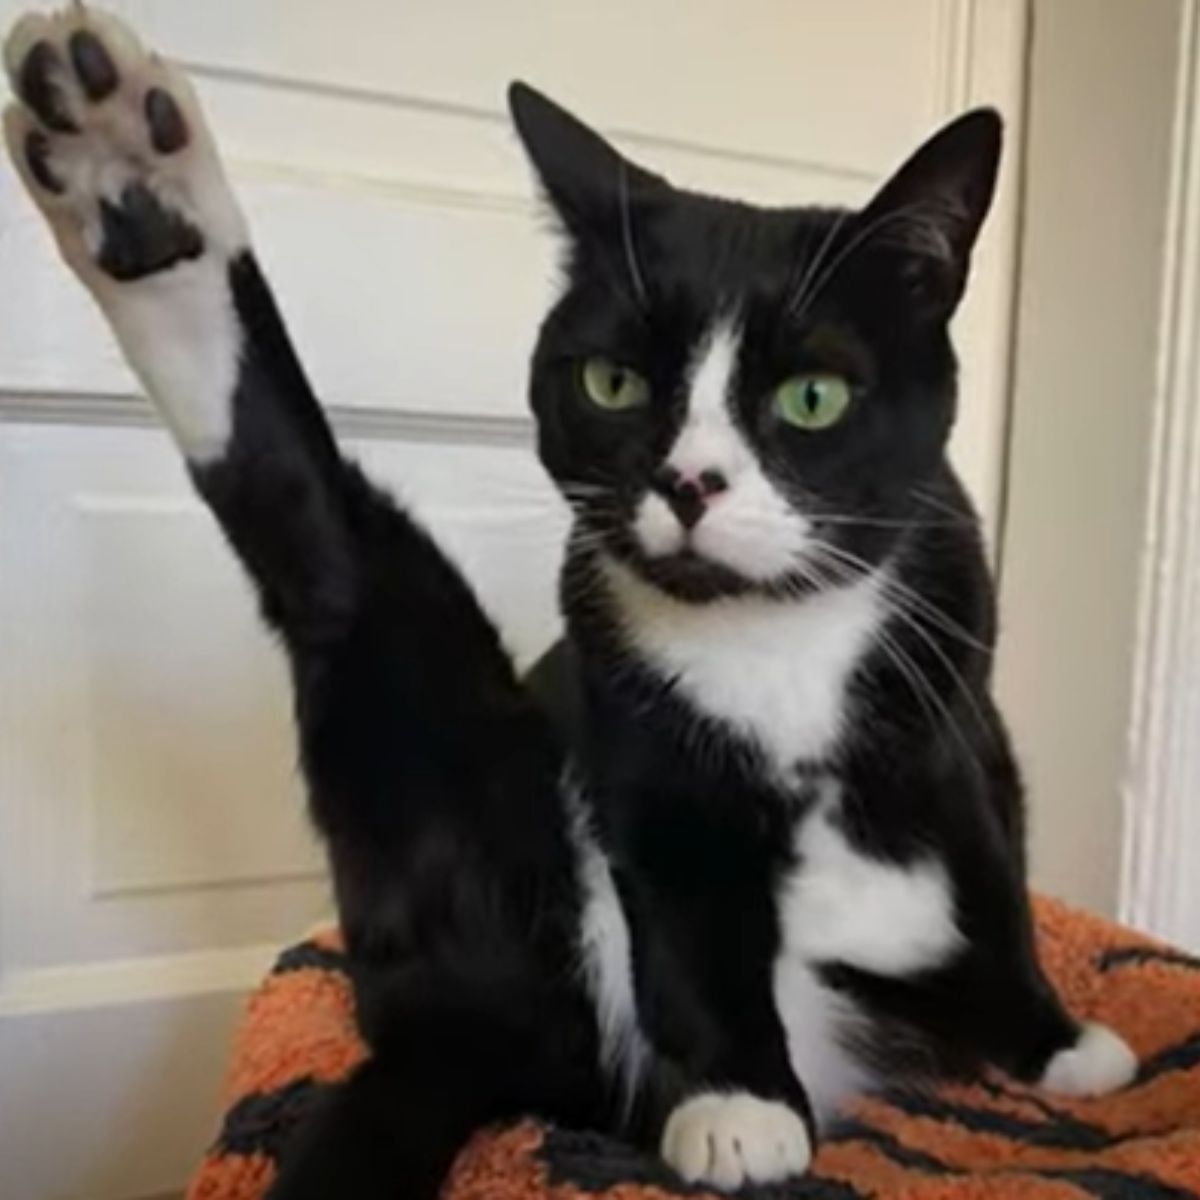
93, 65
168, 128
39, 85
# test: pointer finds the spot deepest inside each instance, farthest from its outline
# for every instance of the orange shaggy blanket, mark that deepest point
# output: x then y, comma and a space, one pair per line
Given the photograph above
991, 1139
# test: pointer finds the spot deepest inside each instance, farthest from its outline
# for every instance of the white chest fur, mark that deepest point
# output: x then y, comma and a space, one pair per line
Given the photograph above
842, 906
773, 671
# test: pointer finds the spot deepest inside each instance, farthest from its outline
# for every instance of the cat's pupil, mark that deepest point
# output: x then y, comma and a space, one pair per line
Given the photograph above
616, 381
812, 397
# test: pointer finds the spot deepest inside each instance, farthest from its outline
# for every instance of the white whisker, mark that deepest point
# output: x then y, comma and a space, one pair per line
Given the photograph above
926, 608
816, 261
935, 706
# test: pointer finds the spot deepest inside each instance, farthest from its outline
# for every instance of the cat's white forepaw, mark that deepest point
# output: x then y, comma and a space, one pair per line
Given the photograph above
113, 147
728, 1139
1100, 1062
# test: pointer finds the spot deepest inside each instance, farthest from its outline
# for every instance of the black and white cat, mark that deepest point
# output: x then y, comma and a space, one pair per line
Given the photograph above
768, 852
780, 631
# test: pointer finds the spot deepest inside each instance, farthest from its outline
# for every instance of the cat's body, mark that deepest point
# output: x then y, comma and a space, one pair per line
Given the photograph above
770, 848
770, 854
783, 731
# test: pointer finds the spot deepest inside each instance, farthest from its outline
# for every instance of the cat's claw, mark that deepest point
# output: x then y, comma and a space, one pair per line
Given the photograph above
113, 147
730, 1139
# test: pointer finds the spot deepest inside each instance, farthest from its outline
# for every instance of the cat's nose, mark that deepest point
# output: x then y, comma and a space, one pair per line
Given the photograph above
688, 494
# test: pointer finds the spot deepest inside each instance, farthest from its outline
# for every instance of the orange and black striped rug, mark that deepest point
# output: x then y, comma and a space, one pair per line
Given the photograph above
979, 1142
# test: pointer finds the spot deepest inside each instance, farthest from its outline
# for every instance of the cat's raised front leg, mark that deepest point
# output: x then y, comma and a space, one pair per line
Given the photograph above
397, 668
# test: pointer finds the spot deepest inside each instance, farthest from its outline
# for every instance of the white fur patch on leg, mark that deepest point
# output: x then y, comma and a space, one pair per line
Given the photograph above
845, 906
728, 1139
176, 324
1100, 1062
180, 335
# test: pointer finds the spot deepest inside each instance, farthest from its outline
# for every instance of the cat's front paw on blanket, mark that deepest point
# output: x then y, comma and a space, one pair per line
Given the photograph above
1100, 1062
113, 147
728, 1139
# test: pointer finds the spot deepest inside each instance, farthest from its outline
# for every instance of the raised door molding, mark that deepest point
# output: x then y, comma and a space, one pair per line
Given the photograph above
981, 59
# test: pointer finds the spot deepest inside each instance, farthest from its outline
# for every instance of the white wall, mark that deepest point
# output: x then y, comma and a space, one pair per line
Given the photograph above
1160, 887
1099, 116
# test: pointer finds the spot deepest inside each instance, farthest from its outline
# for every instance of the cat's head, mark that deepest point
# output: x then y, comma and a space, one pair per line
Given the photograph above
732, 397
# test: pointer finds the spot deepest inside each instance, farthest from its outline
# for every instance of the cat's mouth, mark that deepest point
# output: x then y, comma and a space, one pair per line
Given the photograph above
689, 575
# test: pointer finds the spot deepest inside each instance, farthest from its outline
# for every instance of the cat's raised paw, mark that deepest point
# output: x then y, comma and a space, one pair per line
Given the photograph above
113, 147
729, 1139
1100, 1062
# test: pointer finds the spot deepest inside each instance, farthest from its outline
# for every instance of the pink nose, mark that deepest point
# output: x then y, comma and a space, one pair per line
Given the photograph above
688, 495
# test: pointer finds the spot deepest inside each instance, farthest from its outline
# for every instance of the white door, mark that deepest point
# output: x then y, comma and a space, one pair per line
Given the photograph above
153, 851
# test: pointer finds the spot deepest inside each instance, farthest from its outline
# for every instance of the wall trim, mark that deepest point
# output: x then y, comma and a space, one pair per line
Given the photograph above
981, 58
91, 409
955, 26
387, 98
1160, 836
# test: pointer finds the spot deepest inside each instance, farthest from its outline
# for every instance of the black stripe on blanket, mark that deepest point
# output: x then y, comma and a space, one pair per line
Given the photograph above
1180, 1057
593, 1163
1100, 1182
1058, 1130
1137, 956
309, 955
890, 1147
1117, 1185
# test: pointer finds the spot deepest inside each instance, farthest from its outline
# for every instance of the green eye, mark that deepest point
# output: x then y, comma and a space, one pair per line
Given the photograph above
613, 387
812, 401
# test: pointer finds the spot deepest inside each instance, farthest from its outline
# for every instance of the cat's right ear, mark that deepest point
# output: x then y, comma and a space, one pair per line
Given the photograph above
584, 178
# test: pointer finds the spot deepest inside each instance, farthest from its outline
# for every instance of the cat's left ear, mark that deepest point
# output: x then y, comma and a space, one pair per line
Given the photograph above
931, 209
586, 180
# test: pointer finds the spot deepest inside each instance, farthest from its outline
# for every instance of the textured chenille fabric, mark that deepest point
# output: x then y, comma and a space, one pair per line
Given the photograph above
990, 1139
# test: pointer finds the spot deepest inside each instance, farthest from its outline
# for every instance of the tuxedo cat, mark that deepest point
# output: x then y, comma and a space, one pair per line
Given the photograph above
761, 848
